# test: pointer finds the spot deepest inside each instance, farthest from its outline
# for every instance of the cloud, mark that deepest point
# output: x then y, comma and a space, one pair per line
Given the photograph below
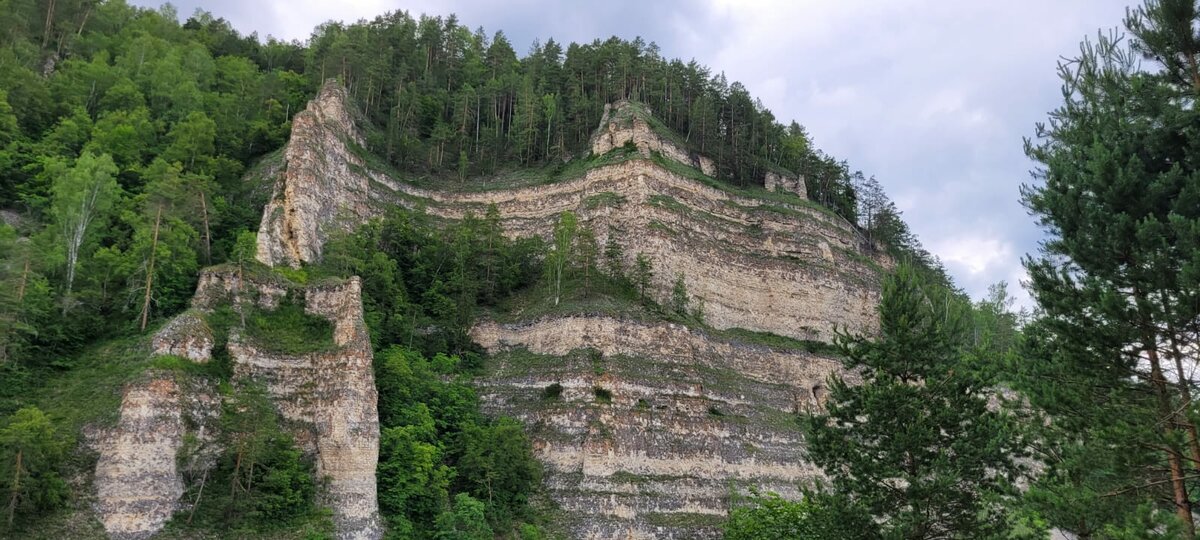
930, 96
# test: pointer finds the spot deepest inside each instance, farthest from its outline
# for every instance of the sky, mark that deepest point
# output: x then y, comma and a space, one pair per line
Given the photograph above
932, 97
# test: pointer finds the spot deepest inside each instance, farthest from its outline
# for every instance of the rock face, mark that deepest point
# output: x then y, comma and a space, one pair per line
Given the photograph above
655, 423
643, 427
786, 182
187, 335
327, 398
138, 484
780, 265
320, 183
627, 122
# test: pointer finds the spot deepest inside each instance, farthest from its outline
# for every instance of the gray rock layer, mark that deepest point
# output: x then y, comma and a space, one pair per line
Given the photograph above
690, 417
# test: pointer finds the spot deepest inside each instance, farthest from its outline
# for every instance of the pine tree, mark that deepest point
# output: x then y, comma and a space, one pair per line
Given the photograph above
1118, 279
915, 444
643, 272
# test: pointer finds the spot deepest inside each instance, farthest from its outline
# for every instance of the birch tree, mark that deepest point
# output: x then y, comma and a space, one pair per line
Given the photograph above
82, 196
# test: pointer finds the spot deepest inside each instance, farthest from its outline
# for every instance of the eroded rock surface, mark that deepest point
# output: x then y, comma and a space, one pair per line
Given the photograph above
321, 182
686, 417
782, 266
328, 400
137, 481
187, 336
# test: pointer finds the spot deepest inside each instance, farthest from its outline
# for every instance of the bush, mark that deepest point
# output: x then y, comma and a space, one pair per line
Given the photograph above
602, 395
553, 391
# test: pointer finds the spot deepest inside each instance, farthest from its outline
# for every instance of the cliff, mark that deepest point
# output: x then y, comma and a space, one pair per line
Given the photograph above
327, 399
645, 428
767, 261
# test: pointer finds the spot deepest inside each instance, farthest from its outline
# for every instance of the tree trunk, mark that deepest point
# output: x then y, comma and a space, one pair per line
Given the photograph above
1185, 395
150, 271
16, 489
1183, 506
207, 233
49, 24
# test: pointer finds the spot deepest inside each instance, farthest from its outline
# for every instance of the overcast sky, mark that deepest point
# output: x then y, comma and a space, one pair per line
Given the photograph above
932, 97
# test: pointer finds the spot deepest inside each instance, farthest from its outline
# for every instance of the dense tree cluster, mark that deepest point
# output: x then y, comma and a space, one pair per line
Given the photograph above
444, 97
123, 140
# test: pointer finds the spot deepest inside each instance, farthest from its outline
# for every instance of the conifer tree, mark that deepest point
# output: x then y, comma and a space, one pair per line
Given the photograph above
915, 444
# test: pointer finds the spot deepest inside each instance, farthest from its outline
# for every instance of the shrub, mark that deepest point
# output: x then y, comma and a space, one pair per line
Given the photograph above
553, 391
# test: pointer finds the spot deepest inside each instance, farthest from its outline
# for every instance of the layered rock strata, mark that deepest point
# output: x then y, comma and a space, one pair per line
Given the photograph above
317, 162
138, 483
779, 265
645, 428
327, 399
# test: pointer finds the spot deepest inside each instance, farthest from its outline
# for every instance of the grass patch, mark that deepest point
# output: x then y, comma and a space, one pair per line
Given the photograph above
287, 329
604, 199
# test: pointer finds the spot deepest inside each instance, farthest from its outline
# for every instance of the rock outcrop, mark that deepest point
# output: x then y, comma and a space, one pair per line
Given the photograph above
643, 427
327, 399
137, 480
627, 122
779, 265
187, 335
320, 183
791, 183
649, 426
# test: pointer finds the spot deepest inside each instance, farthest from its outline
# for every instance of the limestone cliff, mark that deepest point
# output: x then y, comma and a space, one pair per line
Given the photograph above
327, 399
138, 484
773, 264
655, 423
317, 183
644, 427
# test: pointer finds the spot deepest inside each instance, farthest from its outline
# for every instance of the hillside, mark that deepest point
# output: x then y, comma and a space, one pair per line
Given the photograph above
651, 421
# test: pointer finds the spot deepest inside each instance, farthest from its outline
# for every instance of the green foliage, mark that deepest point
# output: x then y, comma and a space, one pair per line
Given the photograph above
422, 286
1105, 364
466, 521
643, 272
437, 447
679, 296
559, 259
818, 516
31, 453
261, 481
288, 329
915, 444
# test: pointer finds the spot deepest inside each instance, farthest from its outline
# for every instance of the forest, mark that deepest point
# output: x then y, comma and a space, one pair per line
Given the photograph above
131, 150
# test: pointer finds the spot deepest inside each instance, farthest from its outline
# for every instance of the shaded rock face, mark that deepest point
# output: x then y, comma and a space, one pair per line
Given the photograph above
687, 417
187, 336
138, 484
320, 183
328, 400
